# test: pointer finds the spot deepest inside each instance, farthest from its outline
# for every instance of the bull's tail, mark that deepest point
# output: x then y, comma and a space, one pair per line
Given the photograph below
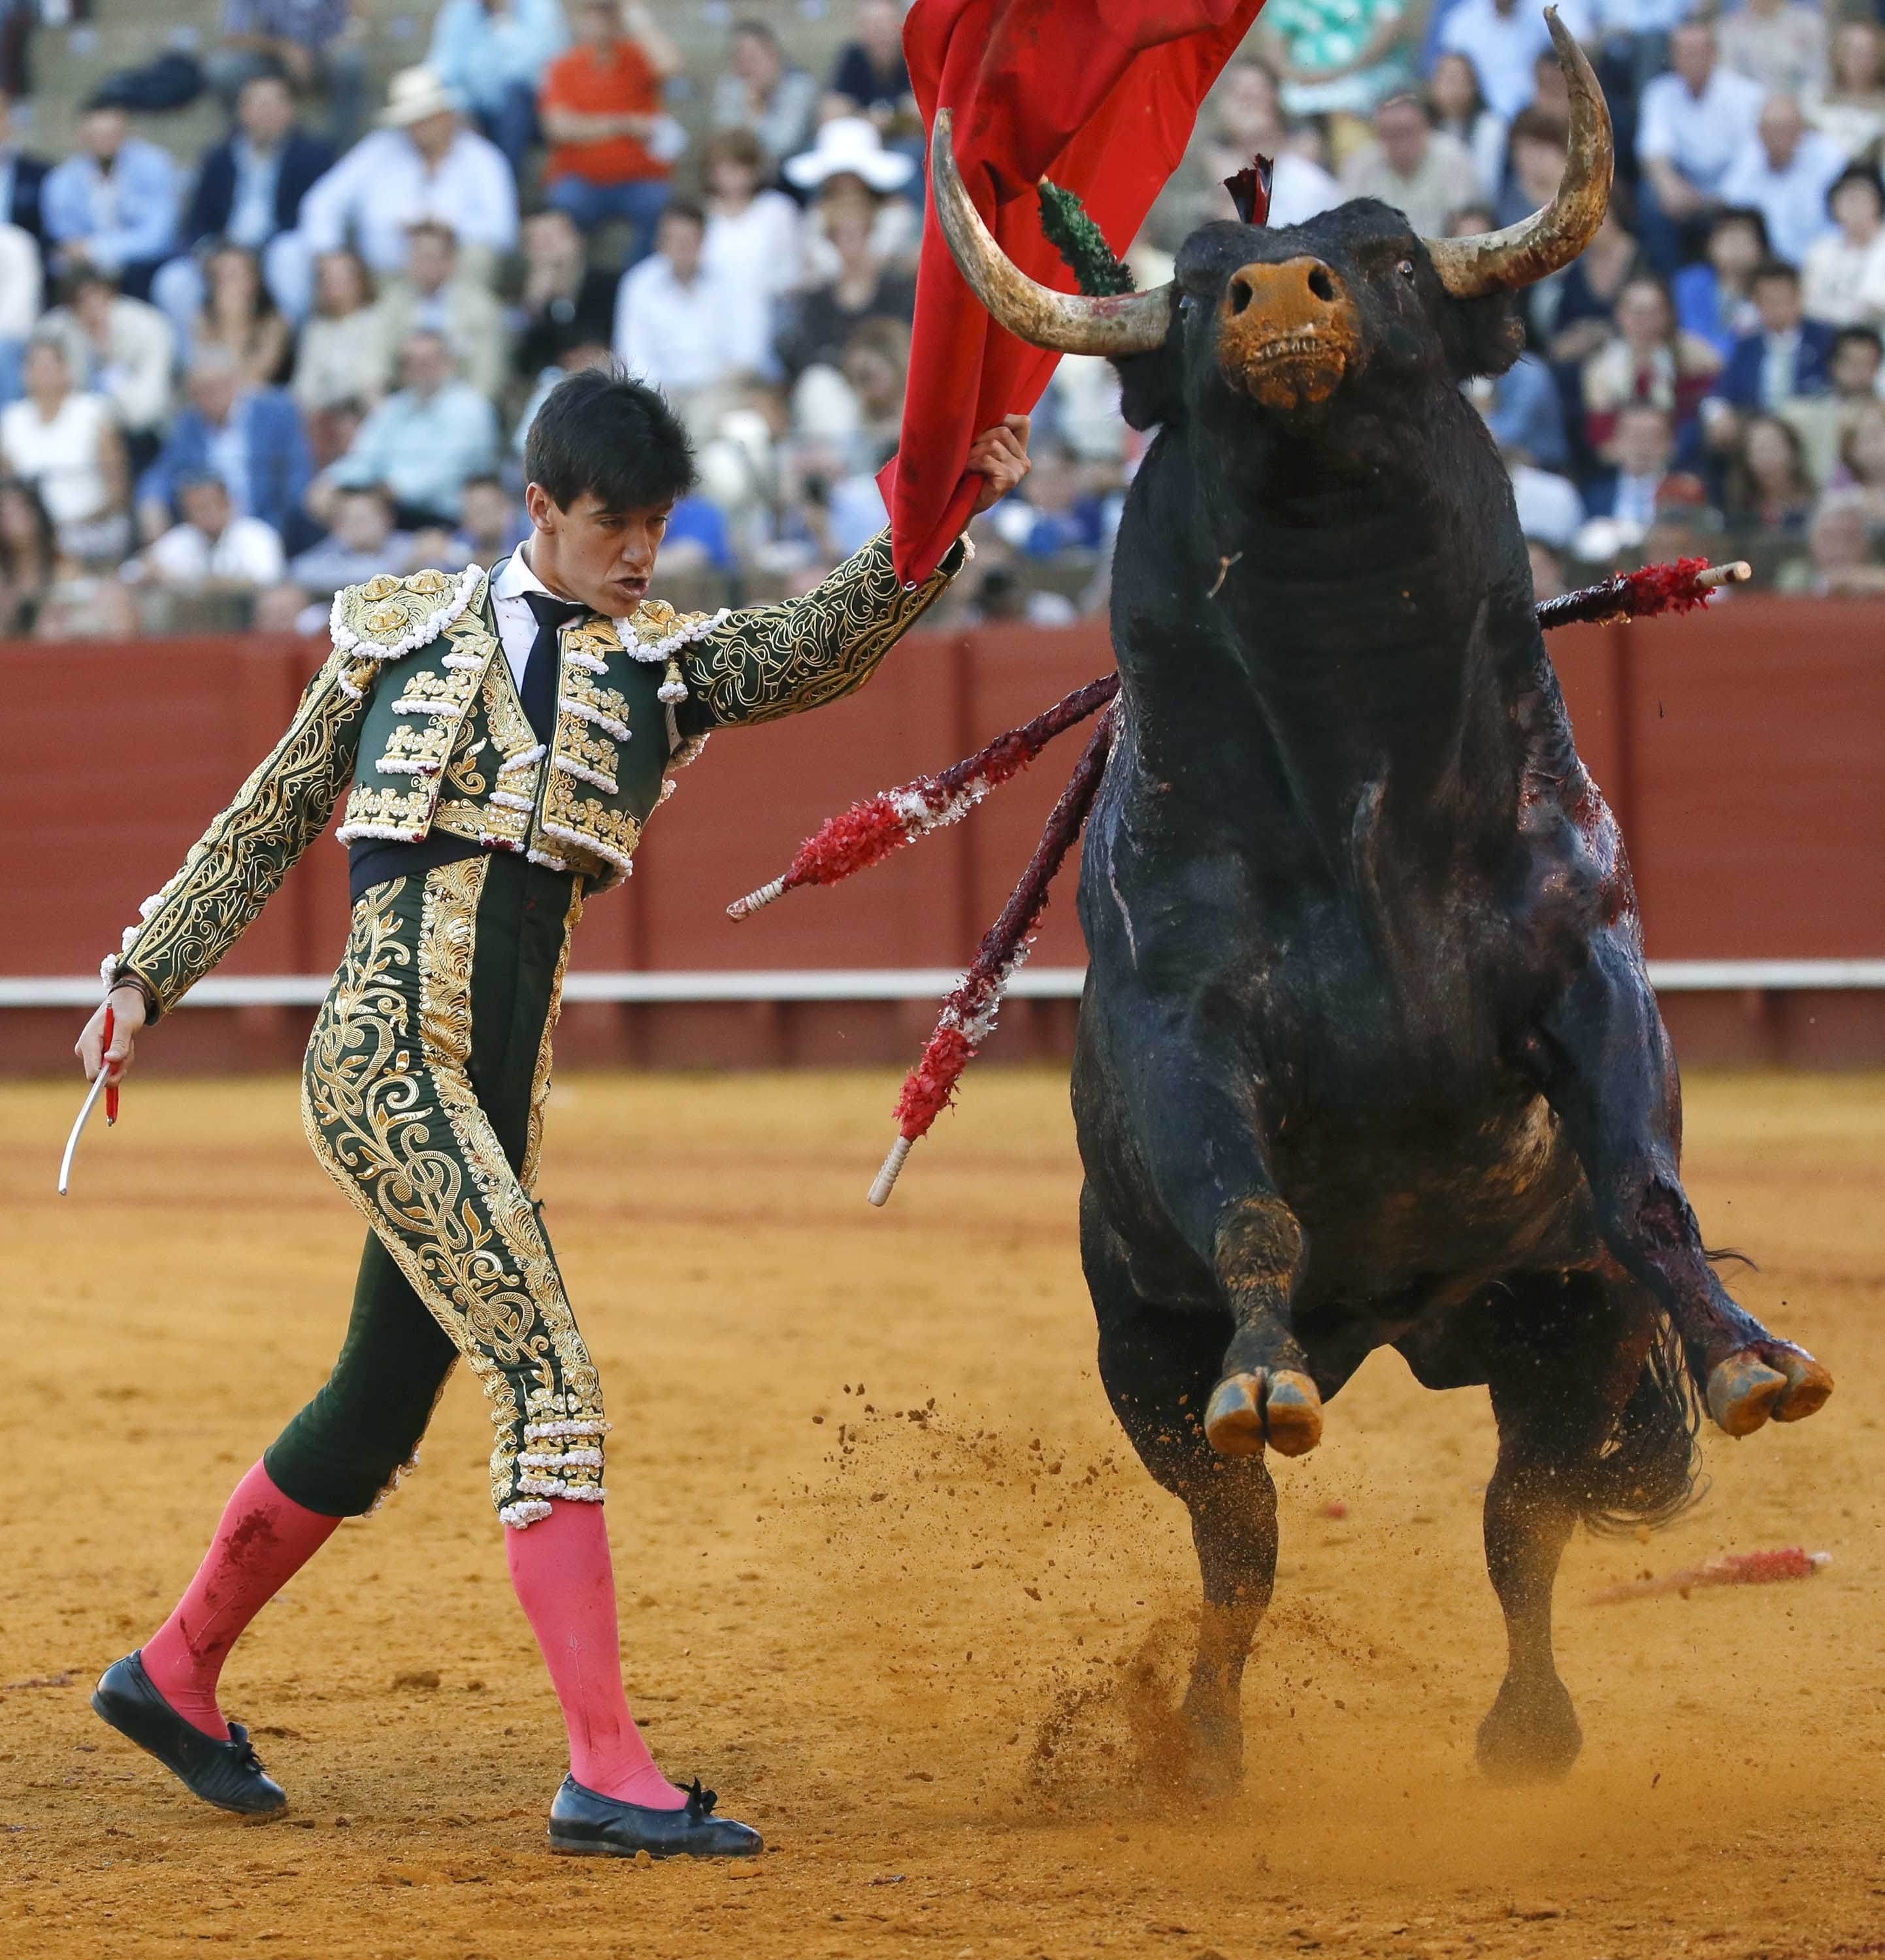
1649, 1470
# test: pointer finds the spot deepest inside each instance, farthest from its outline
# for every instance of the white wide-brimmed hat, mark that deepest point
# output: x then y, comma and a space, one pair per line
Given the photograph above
414, 93
849, 143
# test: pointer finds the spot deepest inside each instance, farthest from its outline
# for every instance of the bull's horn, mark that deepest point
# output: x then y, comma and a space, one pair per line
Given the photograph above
1538, 245
1068, 323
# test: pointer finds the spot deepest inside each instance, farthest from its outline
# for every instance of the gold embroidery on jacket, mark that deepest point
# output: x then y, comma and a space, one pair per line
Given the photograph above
540, 1080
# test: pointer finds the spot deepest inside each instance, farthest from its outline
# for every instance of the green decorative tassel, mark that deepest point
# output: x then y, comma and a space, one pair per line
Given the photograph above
1082, 243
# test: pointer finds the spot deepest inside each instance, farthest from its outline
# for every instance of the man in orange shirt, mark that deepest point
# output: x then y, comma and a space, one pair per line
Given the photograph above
602, 111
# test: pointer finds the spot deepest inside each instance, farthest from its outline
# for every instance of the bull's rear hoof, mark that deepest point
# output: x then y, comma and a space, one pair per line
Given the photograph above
1277, 1406
1530, 1734
1783, 1382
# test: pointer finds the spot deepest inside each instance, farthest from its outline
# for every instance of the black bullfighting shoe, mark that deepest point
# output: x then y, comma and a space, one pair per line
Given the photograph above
224, 1773
586, 1825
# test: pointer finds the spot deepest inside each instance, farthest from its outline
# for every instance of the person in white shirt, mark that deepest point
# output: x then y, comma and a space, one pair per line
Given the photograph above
1692, 124
212, 547
423, 163
1784, 174
21, 286
688, 330
1420, 170
1842, 277
752, 234
1504, 39
125, 349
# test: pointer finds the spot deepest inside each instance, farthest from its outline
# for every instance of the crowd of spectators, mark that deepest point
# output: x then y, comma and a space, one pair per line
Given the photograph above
242, 378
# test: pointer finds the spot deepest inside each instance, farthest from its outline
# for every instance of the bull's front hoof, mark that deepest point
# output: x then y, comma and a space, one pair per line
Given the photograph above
1277, 1406
1530, 1734
1783, 1382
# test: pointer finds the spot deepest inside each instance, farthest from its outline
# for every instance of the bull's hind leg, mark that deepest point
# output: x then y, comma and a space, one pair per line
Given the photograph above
1604, 1063
1159, 1364
1565, 1356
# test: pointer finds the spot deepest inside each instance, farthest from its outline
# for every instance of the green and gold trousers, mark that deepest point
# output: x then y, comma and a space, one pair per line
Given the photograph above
423, 1095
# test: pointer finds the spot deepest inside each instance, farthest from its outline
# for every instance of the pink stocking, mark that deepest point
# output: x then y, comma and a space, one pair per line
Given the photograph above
264, 1539
564, 1581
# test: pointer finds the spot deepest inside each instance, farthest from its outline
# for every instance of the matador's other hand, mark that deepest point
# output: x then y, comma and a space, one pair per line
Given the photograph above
127, 1016
1000, 454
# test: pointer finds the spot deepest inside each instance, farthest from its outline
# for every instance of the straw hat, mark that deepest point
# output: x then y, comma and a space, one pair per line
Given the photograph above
415, 93
850, 143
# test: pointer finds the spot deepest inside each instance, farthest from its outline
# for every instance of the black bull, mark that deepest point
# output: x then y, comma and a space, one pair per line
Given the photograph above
1369, 1055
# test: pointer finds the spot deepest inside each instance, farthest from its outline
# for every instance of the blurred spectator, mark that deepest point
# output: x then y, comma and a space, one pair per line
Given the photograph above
752, 235
697, 537
1779, 44
1691, 125
1549, 506
251, 437
249, 190
424, 162
1458, 108
1534, 163
1419, 170
1523, 409
1504, 39
361, 544
492, 54
1843, 277
1786, 357
1000, 596
689, 331
566, 302
612, 140
760, 91
425, 442
820, 322
313, 42
22, 289
1852, 110
114, 203
340, 357
491, 523
1242, 118
22, 180
64, 442
576, 358
1825, 420
239, 316
1640, 451
1341, 59
1768, 485
1650, 359
851, 172
1784, 174
1058, 514
1862, 461
1715, 297
1573, 312
1839, 564
121, 348
30, 561
870, 77
83, 605
212, 549
431, 293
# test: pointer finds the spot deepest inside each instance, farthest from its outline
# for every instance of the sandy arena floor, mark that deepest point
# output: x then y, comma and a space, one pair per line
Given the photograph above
921, 1653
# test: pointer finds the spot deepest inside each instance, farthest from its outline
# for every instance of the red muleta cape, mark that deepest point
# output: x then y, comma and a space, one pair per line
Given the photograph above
1101, 95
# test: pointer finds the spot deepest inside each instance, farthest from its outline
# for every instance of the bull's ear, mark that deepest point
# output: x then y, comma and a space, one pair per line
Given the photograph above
1486, 335
1149, 393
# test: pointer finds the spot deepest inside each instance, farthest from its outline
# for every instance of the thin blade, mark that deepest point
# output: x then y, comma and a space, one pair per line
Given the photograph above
78, 1128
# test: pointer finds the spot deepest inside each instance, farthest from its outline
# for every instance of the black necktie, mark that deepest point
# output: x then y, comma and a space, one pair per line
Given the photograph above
538, 693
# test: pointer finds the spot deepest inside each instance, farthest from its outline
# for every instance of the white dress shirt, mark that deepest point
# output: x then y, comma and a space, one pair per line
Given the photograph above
20, 282
517, 624
248, 552
382, 185
1503, 47
691, 336
1700, 135
1793, 201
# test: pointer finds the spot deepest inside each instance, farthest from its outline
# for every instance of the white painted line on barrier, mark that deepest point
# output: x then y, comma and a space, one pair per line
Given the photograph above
912, 983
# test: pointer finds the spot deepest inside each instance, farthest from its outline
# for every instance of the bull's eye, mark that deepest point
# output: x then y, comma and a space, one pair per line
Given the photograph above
1406, 269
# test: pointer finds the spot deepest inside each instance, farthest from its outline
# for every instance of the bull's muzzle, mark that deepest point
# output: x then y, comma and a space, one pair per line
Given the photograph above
1287, 333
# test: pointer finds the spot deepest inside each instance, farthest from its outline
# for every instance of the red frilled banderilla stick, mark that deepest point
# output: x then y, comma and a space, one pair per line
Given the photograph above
870, 831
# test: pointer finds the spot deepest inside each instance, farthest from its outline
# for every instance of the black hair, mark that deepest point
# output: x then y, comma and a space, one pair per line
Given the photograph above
600, 431
685, 208
1857, 173
1775, 269
1870, 335
1749, 215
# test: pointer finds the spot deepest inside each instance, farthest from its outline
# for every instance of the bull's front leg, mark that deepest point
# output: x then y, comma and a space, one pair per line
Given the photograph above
1604, 1063
1191, 1114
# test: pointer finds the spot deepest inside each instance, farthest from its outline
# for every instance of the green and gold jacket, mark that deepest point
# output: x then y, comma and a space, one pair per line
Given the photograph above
416, 707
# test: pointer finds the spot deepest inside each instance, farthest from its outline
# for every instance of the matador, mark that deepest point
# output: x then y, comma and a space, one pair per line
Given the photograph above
506, 737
